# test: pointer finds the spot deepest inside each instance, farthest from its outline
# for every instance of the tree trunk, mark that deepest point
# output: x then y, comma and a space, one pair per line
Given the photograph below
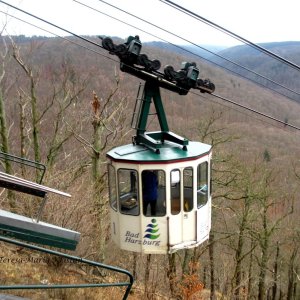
264, 244
291, 292
4, 134
249, 289
98, 184
171, 273
238, 259
275, 275
212, 267
5, 148
34, 110
22, 132
134, 272
147, 276
3, 126
205, 276
188, 254
35, 127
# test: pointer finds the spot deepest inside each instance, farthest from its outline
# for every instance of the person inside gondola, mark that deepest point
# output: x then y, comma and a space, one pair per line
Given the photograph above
150, 186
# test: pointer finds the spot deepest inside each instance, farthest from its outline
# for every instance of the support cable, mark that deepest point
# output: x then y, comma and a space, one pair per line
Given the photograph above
49, 23
230, 33
61, 37
253, 116
191, 52
256, 111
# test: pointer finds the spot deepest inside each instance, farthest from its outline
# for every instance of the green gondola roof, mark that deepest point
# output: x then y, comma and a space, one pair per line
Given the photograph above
168, 153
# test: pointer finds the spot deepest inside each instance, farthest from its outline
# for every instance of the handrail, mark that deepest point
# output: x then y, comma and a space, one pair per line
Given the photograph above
17, 181
73, 258
22, 185
24, 161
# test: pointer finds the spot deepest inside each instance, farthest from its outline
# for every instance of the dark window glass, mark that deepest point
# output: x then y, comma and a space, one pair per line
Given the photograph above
154, 192
188, 199
202, 187
128, 192
175, 192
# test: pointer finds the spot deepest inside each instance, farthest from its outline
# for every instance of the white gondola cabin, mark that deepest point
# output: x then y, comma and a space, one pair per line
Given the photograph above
182, 218
168, 208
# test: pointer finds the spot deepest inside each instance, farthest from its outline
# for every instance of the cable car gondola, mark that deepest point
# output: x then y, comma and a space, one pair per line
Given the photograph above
159, 185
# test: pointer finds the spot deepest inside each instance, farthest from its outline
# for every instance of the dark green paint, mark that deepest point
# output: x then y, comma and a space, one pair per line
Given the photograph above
37, 237
155, 140
168, 153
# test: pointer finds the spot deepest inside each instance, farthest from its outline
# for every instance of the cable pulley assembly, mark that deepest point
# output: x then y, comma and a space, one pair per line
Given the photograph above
187, 77
129, 53
139, 65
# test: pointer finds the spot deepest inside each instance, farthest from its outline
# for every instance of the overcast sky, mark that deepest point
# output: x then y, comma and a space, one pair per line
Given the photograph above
255, 20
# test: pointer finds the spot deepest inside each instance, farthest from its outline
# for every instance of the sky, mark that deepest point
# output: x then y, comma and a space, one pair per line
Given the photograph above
257, 20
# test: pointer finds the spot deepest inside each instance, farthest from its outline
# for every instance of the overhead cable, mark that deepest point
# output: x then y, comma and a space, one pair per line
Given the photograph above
244, 111
192, 43
49, 23
256, 111
230, 33
59, 36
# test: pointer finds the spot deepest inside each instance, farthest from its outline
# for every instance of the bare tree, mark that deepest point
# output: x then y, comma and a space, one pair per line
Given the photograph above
67, 87
35, 117
109, 126
266, 225
172, 273
4, 132
3, 123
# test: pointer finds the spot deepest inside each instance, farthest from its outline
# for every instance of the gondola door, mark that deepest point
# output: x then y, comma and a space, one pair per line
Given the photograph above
188, 211
203, 201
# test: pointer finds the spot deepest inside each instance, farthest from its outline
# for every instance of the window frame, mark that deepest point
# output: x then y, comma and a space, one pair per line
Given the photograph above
124, 210
112, 202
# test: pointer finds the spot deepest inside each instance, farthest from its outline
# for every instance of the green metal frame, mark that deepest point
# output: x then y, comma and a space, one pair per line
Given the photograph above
151, 91
127, 284
154, 140
11, 230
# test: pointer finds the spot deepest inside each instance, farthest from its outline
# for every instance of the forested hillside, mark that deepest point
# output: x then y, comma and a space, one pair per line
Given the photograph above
266, 70
66, 106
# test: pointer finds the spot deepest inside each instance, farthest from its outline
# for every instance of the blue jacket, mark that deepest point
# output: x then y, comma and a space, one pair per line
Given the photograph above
149, 182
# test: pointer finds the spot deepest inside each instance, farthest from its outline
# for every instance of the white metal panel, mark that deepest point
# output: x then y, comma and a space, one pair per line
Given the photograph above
143, 234
130, 233
154, 235
203, 222
115, 228
175, 229
189, 226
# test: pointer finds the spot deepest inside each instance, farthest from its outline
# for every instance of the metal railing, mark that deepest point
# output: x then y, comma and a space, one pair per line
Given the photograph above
128, 284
